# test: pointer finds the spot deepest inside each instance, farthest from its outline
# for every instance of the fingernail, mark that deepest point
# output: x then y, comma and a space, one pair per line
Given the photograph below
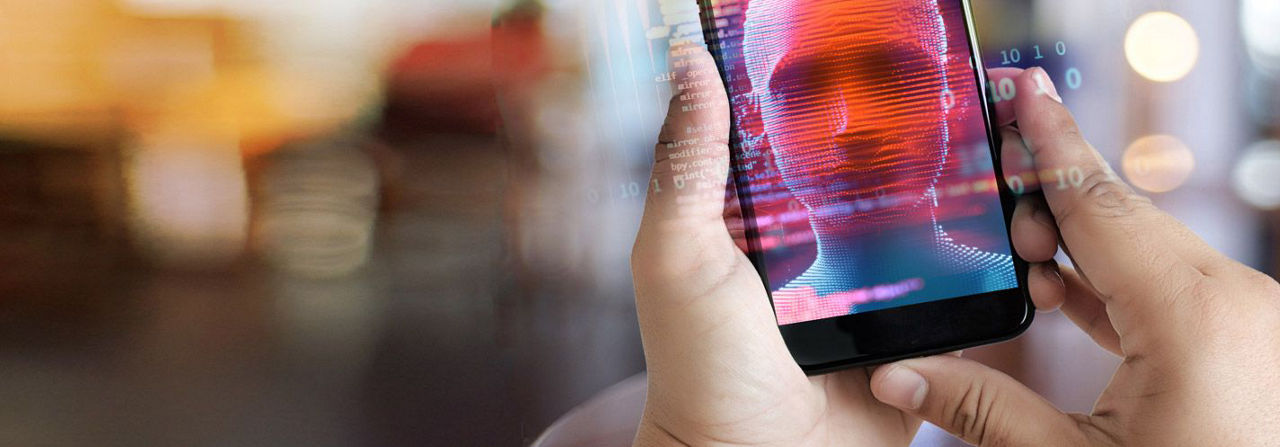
1046, 85
902, 387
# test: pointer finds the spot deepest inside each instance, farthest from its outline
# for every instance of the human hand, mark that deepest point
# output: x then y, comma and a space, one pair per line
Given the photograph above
719, 373
1199, 333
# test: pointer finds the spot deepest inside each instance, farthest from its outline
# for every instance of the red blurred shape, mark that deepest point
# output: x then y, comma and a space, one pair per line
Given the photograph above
442, 87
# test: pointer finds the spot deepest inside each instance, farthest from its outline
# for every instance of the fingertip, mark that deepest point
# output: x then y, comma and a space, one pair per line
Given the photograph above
1043, 119
899, 386
1044, 84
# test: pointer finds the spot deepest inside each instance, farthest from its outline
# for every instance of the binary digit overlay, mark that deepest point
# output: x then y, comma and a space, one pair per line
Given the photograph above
1071, 76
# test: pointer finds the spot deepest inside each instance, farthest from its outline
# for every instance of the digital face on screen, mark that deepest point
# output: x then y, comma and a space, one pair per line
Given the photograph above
865, 119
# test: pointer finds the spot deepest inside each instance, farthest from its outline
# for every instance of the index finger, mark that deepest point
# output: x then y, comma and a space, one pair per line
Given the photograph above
1137, 257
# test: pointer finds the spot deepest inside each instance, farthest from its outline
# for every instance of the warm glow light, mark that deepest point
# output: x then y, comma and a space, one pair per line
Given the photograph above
1161, 46
1158, 163
1255, 176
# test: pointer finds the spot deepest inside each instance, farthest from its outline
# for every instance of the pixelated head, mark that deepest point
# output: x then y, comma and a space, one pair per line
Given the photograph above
851, 99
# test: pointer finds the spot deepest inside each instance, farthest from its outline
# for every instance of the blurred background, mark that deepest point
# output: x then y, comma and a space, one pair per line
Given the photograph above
407, 222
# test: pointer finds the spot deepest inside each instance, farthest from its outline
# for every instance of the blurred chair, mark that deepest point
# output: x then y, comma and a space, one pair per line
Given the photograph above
441, 87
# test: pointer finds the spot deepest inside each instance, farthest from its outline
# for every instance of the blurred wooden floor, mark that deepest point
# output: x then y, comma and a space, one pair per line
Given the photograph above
436, 342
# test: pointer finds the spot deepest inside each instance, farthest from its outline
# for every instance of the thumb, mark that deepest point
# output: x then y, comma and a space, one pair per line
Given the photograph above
974, 402
691, 159
704, 313
683, 224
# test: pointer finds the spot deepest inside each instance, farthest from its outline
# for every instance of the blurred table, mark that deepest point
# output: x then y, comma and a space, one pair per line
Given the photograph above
432, 344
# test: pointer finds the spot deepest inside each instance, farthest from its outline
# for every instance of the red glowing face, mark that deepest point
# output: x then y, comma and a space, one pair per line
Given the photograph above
852, 99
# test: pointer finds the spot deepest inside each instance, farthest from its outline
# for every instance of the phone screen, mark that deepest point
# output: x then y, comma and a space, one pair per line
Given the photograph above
862, 158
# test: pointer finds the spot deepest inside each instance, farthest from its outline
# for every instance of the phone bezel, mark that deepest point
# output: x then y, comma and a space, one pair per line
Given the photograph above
887, 335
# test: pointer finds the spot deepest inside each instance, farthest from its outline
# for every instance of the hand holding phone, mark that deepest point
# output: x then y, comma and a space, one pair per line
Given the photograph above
1196, 328
719, 370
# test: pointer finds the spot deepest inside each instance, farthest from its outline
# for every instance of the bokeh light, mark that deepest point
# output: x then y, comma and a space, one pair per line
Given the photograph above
189, 199
1260, 24
318, 209
1158, 163
1255, 178
1161, 46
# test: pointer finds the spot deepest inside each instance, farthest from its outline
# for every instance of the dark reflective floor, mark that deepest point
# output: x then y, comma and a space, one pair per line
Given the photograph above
441, 340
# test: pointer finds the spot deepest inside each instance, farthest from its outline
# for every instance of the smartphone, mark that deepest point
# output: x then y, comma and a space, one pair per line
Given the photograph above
867, 168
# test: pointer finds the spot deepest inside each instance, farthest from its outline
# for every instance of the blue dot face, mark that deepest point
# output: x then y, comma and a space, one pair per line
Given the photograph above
864, 152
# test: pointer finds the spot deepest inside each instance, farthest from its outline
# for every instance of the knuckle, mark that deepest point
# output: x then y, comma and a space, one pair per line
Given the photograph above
969, 415
638, 255
1264, 317
1205, 296
1102, 190
689, 264
1104, 196
1237, 280
642, 265
1248, 303
1265, 284
669, 133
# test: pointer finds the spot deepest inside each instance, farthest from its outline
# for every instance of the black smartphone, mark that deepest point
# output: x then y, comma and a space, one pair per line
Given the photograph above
867, 168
